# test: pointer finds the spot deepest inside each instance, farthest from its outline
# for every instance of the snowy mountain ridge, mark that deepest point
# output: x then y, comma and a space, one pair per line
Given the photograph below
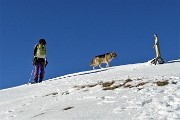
129, 92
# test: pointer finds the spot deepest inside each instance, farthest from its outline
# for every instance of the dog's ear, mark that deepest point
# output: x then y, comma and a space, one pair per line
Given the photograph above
115, 55
114, 52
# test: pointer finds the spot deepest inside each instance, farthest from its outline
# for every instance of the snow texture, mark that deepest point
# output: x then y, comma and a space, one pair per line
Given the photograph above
129, 92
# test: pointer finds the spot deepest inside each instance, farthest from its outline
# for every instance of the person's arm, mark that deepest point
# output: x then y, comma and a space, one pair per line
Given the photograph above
35, 50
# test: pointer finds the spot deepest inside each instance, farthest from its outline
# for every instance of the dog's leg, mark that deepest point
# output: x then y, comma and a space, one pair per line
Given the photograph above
100, 66
107, 64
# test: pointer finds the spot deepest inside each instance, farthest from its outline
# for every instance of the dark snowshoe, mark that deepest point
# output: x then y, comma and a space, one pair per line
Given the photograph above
157, 61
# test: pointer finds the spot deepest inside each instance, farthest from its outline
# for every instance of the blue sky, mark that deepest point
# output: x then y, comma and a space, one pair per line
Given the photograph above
78, 30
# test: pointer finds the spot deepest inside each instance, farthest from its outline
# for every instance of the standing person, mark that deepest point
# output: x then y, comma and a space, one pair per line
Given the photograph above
39, 60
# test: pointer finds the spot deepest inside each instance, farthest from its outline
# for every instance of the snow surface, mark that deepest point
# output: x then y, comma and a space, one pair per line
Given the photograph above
129, 92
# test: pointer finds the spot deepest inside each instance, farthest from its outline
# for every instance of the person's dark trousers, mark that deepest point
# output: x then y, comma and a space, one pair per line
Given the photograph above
39, 66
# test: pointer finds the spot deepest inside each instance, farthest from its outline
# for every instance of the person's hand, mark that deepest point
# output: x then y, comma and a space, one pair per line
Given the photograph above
46, 63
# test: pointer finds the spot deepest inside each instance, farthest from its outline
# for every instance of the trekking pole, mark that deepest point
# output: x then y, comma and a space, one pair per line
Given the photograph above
31, 75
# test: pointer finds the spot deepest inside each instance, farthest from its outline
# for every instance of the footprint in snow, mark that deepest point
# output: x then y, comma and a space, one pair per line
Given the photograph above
88, 97
168, 107
26, 104
12, 116
107, 99
9, 111
119, 110
70, 91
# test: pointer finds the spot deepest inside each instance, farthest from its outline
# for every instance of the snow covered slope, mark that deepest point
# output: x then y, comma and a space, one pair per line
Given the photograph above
130, 92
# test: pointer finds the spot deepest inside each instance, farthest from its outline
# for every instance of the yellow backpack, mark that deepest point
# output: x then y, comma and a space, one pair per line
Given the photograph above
41, 51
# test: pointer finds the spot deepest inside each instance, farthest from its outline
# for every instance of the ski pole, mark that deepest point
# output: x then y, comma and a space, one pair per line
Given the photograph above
31, 75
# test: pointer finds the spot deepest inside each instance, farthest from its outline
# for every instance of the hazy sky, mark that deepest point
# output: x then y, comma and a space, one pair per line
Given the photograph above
78, 30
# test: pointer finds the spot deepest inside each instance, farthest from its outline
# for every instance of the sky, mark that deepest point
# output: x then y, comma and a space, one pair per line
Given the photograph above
78, 30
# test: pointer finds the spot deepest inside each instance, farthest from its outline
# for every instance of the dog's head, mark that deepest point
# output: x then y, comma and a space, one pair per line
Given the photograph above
114, 55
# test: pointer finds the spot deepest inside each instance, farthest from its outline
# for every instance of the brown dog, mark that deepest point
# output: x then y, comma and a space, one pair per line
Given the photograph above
105, 58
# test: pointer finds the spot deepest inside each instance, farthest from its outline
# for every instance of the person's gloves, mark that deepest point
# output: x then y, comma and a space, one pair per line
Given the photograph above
46, 63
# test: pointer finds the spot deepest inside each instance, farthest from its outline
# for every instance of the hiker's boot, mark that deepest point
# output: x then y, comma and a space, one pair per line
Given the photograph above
35, 80
40, 79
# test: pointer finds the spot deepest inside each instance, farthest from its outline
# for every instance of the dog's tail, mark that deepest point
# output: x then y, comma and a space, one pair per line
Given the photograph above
91, 63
